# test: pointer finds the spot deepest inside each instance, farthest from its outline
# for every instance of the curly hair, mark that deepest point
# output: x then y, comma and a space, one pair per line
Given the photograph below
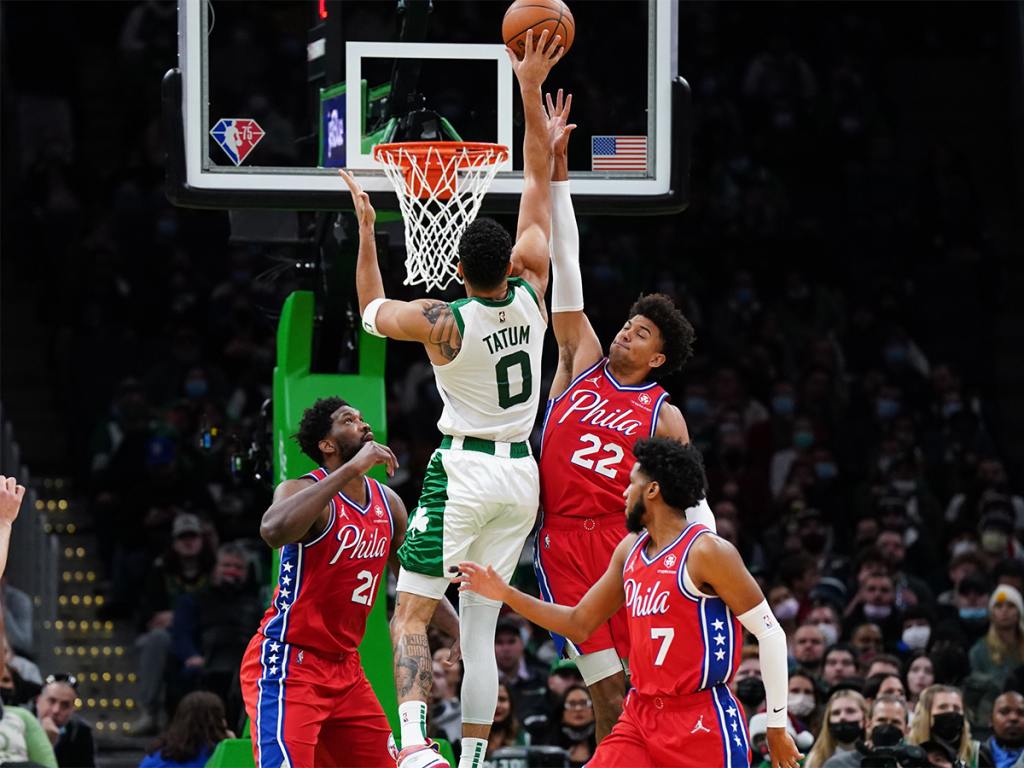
677, 335
485, 250
678, 468
316, 425
198, 725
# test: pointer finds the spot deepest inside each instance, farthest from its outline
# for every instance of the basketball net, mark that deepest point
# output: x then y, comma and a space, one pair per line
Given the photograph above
440, 186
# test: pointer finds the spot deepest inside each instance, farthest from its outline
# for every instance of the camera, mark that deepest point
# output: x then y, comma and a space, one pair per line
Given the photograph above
896, 756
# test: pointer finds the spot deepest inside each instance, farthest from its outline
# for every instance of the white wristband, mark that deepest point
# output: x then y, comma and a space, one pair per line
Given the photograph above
370, 318
566, 278
771, 640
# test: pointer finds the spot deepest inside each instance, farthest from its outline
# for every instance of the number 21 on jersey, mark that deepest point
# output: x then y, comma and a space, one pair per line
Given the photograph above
607, 466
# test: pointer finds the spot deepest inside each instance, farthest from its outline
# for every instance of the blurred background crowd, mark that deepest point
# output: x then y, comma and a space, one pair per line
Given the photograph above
844, 265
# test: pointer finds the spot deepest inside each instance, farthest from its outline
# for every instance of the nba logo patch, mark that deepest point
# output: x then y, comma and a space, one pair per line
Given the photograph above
237, 137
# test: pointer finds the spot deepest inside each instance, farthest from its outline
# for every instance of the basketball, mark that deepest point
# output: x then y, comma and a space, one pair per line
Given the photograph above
538, 15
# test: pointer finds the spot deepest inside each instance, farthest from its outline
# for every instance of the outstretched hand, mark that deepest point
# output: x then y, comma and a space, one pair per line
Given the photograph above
483, 580
782, 749
11, 495
537, 59
360, 200
559, 126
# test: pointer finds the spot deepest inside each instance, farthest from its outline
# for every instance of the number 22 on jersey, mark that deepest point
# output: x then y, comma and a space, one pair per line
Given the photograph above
607, 466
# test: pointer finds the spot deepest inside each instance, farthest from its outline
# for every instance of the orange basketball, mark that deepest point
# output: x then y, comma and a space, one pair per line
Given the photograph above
538, 15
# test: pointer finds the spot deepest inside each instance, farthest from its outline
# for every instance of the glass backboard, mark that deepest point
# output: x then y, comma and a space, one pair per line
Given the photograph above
270, 98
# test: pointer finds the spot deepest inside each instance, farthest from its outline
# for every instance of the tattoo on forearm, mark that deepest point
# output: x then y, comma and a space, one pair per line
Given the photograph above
413, 668
445, 332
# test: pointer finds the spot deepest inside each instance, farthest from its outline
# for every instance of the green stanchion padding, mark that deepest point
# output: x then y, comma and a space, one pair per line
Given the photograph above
295, 389
231, 753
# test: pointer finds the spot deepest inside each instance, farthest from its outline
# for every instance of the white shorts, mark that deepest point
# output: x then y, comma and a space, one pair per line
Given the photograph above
474, 506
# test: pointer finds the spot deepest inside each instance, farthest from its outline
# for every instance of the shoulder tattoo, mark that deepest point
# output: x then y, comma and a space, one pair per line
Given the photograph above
444, 333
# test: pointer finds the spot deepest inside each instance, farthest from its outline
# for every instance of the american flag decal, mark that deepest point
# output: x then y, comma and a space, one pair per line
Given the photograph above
618, 153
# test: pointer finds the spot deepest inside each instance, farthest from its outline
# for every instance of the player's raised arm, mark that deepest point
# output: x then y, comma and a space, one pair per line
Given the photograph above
11, 495
578, 345
575, 622
299, 506
534, 228
715, 566
427, 321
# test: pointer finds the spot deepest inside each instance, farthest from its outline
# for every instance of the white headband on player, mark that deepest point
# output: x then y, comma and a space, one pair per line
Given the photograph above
370, 317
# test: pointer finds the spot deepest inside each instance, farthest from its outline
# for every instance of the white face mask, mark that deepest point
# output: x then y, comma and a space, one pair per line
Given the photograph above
875, 612
916, 638
831, 634
787, 609
801, 704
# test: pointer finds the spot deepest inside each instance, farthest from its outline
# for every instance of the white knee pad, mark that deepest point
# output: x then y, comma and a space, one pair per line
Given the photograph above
595, 666
477, 622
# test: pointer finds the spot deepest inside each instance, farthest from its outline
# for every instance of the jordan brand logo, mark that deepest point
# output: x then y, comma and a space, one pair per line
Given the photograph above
700, 727
595, 381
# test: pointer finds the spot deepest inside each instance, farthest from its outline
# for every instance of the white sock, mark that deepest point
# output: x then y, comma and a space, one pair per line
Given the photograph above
473, 751
413, 715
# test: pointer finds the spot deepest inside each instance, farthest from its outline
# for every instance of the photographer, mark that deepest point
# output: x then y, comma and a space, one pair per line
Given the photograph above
884, 745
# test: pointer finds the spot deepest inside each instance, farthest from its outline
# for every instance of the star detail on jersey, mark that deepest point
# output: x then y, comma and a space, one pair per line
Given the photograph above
287, 567
272, 658
419, 521
273, 670
274, 647
286, 580
718, 624
669, 562
719, 639
286, 593
731, 711
719, 654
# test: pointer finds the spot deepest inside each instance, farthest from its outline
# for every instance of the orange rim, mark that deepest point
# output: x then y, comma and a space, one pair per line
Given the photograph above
446, 149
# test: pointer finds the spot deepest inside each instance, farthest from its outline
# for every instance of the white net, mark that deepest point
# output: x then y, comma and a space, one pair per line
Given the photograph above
440, 188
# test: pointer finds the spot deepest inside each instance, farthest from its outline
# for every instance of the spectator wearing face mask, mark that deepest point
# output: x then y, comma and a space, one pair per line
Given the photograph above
920, 674
846, 714
995, 531
887, 727
972, 597
824, 614
785, 606
939, 716
917, 629
746, 684
1002, 649
804, 707
1006, 744
875, 603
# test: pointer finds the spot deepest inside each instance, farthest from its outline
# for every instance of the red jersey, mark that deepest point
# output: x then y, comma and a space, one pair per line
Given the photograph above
587, 443
680, 643
326, 588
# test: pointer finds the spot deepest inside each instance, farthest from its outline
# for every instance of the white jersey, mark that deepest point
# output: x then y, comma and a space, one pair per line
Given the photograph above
492, 388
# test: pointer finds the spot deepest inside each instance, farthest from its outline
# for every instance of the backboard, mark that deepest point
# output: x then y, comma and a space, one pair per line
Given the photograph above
270, 97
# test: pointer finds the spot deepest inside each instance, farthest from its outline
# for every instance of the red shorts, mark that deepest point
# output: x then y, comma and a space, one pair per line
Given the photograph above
309, 710
570, 555
703, 730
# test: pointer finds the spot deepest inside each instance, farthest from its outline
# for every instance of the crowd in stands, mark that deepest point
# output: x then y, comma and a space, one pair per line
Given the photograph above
842, 412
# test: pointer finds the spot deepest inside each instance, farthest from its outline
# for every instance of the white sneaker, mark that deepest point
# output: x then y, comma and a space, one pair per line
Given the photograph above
421, 756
